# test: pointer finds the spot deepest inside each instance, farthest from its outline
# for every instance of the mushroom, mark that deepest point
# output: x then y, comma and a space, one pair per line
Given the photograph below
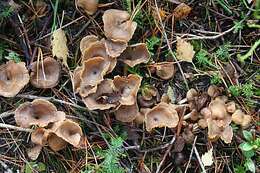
214, 91
162, 115
55, 142
135, 54
46, 73
128, 88
231, 107
140, 118
149, 96
164, 70
76, 79
92, 74
89, 6
39, 136
87, 41
104, 97
34, 152
38, 112
13, 77
127, 113
114, 48
69, 131
98, 49
118, 25
240, 118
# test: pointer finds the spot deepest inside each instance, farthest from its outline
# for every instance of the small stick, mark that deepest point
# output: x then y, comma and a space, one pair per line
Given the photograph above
194, 142
8, 126
198, 157
6, 114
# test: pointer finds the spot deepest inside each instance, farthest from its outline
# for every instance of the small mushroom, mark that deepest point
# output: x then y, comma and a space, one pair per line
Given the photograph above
69, 131
127, 113
55, 142
38, 112
128, 88
104, 97
76, 79
39, 136
92, 74
149, 96
13, 77
214, 91
118, 26
87, 41
140, 118
89, 6
240, 118
46, 73
162, 115
231, 107
114, 48
215, 131
164, 70
34, 152
135, 54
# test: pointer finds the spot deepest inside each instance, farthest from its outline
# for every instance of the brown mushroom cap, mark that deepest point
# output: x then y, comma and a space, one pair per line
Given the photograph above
191, 94
87, 41
127, 113
240, 118
13, 77
98, 49
76, 79
165, 70
114, 48
162, 115
135, 54
231, 107
118, 25
38, 112
214, 91
56, 143
46, 73
34, 152
103, 97
69, 131
92, 74
128, 88
39, 136
89, 6
215, 131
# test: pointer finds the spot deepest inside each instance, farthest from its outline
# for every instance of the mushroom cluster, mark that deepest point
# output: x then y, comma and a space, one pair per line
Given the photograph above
53, 129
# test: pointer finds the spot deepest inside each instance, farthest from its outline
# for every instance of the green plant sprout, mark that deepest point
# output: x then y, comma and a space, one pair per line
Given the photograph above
215, 79
151, 43
242, 58
222, 52
13, 56
246, 90
203, 59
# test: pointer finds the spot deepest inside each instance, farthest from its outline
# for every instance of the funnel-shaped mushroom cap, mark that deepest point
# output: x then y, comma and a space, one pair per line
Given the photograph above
128, 88
104, 97
46, 73
114, 48
218, 111
39, 112
98, 49
162, 115
165, 70
135, 54
56, 143
87, 41
39, 136
127, 113
215, 131
240, 118
13, 77
69, 131
92, 74
89, 6
118, 25
76, 79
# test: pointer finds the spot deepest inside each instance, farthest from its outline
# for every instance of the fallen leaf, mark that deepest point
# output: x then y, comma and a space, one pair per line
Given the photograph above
181, 11
207, 158
184, 50
59, 45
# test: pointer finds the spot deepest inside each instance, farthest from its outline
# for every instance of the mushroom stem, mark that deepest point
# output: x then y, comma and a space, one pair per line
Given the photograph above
182, 101
8, 126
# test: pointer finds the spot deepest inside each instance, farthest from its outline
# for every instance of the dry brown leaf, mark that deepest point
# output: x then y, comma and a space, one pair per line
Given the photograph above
181, 11
184, 50
59, 45
207, 158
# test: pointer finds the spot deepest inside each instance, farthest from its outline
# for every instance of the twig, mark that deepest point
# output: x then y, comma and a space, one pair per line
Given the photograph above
194, 142
198, 157
6, 114
8, 126
242, 58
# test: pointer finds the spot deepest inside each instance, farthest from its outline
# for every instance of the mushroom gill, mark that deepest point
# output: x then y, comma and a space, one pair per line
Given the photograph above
55, 142
162, 115
114, 48
118, 26
13, 77
38, 112
46, 73
89, 6
127, 88
127, 113
135, 54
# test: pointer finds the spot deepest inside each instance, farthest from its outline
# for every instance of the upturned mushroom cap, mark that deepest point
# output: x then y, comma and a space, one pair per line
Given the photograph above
162, 115
127, 113
69, 131
39, 136
38, 112
55, 142
13, 77
93, 72
118, 25
165, 70
104, 97
191, 94
128, 88
98, 49
46, 73
87, 41
240, 118
89, 6
76, 79
231, 107
214, 91
114, 48
135, 54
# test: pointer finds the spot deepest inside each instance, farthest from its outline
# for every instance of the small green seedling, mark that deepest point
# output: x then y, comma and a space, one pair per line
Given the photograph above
13, 56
